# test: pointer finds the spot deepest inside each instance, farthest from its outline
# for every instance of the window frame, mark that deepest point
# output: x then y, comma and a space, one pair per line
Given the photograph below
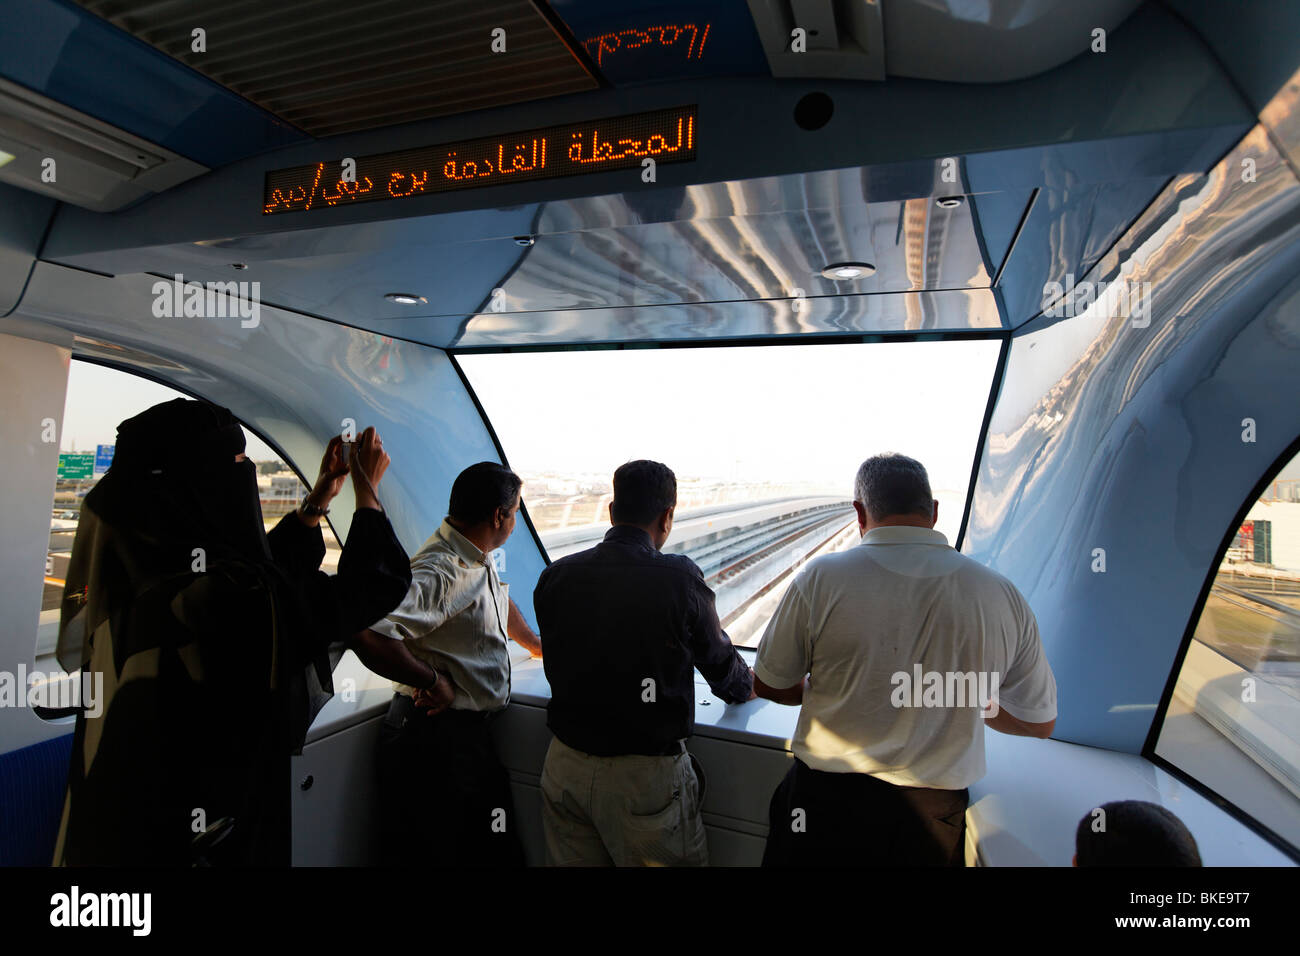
1003, 336
270, 443
1148, 751
52, 715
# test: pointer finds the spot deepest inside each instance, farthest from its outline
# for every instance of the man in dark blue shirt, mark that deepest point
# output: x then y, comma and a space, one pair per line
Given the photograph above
624, 627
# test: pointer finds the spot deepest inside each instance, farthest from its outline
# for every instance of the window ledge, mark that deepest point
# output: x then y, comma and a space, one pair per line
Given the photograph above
1025, 810
1022, 813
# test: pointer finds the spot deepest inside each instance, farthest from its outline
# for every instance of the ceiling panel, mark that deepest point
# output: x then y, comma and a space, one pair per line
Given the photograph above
749, 241
337, 66
958, 310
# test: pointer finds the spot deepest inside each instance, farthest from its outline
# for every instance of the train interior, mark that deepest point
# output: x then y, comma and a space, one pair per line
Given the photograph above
1051, 249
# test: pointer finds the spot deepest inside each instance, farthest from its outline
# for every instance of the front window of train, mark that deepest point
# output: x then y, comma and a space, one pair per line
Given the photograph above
97, 399
765, 443
1233, 722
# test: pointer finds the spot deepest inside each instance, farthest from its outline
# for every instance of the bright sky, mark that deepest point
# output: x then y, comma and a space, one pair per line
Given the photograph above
99, 398
790, 413
784, 413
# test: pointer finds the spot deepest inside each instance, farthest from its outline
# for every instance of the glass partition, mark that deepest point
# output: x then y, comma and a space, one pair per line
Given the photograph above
765, 442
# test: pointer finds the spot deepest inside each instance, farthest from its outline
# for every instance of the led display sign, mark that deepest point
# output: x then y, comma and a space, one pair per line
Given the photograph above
687, 38
623, 142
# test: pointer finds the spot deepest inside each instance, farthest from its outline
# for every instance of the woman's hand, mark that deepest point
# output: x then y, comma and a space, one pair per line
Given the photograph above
329, 481
368, 464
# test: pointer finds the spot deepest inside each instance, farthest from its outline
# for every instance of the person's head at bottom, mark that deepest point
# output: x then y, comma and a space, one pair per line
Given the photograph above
645, 496
1133, 833
485, 500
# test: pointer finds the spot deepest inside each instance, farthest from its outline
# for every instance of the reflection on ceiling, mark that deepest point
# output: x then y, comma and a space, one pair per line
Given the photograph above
955, 310
1119, 426
734, 244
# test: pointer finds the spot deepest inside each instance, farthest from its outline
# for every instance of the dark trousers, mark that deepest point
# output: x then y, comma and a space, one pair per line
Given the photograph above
852, 819
445, 797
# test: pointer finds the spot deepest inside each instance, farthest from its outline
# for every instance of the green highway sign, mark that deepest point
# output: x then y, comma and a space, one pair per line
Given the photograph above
76, 466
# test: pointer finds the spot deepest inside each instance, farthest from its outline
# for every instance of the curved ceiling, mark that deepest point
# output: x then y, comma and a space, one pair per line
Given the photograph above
993, 41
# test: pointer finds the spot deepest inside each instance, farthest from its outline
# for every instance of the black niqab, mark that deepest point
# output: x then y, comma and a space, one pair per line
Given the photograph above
173, 598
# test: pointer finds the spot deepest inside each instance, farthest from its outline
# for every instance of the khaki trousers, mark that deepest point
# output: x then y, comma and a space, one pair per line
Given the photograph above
621, 811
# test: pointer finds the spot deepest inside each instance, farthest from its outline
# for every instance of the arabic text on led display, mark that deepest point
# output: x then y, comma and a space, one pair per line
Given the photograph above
667, 136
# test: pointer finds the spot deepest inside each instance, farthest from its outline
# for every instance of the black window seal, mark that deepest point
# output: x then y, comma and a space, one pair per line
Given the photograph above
1198, 608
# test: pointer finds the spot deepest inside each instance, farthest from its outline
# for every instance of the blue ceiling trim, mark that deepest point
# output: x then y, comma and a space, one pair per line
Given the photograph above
77, 59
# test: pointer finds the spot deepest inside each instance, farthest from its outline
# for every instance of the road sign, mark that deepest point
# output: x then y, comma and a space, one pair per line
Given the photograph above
103, 458
76, 466
1263, 541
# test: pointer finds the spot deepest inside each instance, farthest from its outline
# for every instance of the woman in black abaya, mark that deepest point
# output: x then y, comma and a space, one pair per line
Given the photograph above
215, 640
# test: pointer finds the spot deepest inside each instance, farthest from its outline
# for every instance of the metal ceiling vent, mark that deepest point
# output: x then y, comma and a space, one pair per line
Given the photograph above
840, 39
337, 66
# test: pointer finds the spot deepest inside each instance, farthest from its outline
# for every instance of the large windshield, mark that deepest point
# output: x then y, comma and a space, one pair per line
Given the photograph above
765, 442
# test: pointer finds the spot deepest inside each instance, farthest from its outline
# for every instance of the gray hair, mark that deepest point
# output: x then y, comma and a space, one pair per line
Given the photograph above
892, 484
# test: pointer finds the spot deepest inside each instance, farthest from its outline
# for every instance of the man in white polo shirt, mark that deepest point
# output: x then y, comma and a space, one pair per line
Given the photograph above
900, 650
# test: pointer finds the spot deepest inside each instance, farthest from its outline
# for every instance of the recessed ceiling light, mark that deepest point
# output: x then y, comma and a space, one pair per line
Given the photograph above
848, 270
405, 298
5, 157
948, 202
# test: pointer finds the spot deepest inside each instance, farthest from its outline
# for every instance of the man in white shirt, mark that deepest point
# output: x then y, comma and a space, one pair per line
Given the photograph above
899, 651
446, 795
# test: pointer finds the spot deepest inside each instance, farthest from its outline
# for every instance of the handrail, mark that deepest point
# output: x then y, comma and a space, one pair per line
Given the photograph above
1286, 609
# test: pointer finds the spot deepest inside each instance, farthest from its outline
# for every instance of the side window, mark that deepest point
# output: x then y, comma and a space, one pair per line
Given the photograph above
1234, 721
97, 399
